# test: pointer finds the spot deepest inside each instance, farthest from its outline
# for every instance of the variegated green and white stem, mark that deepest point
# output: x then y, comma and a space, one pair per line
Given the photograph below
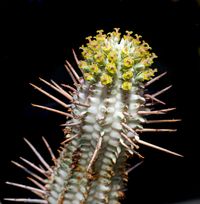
107, 111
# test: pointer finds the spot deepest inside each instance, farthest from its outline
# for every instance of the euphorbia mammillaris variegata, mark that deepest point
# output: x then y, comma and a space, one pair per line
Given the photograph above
108, 108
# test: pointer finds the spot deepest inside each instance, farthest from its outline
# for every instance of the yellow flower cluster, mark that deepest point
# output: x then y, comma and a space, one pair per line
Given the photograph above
109, 58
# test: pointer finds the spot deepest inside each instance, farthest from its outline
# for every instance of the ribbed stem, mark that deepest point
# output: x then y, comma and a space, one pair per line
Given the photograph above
110, 150
119, 179
98, 175
77, 188
67, 160
62, 172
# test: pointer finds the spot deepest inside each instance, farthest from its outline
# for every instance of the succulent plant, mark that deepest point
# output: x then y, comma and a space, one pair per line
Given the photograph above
109, 107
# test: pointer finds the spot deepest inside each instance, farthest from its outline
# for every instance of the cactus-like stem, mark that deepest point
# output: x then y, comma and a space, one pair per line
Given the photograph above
107, 111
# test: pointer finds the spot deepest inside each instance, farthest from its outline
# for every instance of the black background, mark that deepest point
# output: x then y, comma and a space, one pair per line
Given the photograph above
38, 35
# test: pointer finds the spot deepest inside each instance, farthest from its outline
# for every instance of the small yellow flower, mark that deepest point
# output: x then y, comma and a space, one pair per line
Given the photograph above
116, 30
94, 68
136, 40
127, 75
129, 32
99, 57
106, 48
100, 36
151, 58
88, 76
138, 53
111, 68
112, 56
148, 60
94, 45
100, 31
83, 64
88, 38
148, 74
86, 53
125, 51
145, 45
128, 62
106, 79
116, 33
126, 85
128, 36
